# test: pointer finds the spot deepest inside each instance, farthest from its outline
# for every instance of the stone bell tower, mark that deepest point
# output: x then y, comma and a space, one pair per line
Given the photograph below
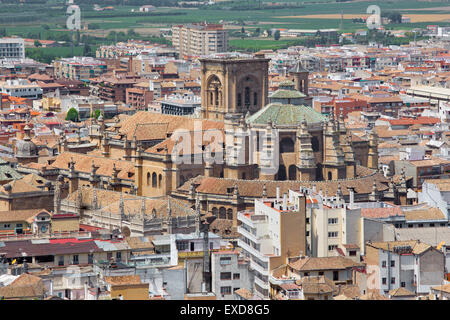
233, 86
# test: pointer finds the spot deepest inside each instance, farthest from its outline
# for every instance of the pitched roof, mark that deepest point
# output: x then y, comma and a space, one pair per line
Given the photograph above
323, 263
20, 215
253, 188
316, 285
424, 214
83, 163
123, 280
417, 246
401, 292
244, 293
381, 212
25, 286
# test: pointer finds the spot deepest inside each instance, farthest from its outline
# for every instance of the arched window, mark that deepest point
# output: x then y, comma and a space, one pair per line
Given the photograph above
214, 211
148, 178
330, 176
222, 213
315, 144
281, 175
292, 172
243, 175
239, 99
255, 98
159, 181
230, 214
216, 91
247, 96
286, 145
154, 182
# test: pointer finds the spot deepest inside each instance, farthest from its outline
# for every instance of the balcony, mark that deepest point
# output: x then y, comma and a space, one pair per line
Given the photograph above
249, 218
259, 268
247, 234
261, 283
280, 281
252, 251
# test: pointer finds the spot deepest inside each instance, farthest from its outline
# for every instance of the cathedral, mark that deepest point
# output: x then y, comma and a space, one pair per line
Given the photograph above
268, 138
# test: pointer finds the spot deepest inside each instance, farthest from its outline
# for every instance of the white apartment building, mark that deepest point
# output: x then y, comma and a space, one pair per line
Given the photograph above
199, 39
270, 234
21, 88
412, 265
436, 193
334, 227
229, 273
12, 48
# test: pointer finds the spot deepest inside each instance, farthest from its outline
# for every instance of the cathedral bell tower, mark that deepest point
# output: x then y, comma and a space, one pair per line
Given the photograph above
233, 85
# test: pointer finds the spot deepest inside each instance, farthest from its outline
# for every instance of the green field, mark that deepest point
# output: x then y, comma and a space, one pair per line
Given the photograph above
27, 20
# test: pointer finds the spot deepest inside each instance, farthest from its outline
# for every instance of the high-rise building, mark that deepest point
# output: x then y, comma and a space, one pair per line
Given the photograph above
199, 39
12, 48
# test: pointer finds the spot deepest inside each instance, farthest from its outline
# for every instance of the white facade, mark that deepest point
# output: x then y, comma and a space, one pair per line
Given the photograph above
21, 88
12, 48
261, 238
435, 197
229, 274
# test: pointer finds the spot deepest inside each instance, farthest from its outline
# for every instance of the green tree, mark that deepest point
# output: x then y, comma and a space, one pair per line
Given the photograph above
45, 26
276, 35
37, 44
86, 50
72, 115
97, 113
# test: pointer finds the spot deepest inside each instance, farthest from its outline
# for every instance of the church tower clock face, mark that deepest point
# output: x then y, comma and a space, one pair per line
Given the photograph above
44, 229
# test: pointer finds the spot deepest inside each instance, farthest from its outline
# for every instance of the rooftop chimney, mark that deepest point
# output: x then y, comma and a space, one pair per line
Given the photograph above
352, 195
278, 194
284, 201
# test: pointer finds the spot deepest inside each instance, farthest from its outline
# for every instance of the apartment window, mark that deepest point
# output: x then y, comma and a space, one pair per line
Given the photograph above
431, 224
75, 259
118, 256
321, 273
332, 247
307, 220
383, 264
225, 261
332, 221
403, 284
182, 245
305, 274
442, 224
393, 280
333, 234
420, 225
225, 276
335, 275
7, 225
352, 253
225, 290
61, 261
236, 276
90, 258
392, 263
383, 281
307, 233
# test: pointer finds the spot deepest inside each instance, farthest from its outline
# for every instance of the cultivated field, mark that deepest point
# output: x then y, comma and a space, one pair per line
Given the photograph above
414, 17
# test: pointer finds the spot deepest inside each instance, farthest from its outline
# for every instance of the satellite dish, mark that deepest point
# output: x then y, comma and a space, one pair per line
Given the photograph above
126, 231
